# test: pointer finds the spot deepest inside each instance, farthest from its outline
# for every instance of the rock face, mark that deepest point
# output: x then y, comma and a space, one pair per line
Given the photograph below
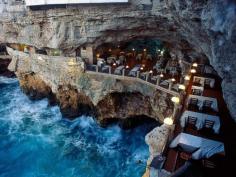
3, 68
34, 86
130, 105
107, 97
72, 103
157, 139
203, 29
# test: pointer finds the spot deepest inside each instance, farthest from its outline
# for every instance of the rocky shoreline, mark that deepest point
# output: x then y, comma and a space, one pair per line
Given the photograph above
109, 100
77, 92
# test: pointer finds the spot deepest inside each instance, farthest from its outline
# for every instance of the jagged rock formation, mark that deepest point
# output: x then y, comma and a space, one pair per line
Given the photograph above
157, 140
72, 103
78, 92
33, 86
204, 29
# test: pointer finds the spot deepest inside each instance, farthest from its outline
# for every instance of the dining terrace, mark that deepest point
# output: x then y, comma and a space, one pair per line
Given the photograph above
161, 80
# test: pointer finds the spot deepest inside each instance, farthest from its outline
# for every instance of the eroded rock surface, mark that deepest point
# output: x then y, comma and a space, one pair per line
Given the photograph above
33, 86
203, 29
72, 103
108, 97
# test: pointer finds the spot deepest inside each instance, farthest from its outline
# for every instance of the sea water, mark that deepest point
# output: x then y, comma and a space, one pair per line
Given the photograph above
35, 141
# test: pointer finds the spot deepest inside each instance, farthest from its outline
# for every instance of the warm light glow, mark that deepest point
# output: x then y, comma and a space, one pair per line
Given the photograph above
162, 52
175, 99
151, 71
161, 75
110, 50
141, 68
173, 79
114, 64
187, 78
133, 49
195, 64
193, 71
40, 58
98, 55
182, 87
144, 50
168, 121
127, 67
71, 62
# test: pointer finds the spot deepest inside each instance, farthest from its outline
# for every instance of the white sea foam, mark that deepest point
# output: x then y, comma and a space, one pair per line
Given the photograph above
7, 80
36, 138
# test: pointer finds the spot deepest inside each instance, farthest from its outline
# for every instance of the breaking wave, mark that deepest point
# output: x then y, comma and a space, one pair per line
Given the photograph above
36, 142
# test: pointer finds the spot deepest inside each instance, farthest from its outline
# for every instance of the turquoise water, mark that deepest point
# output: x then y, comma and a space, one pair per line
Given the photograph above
36, 142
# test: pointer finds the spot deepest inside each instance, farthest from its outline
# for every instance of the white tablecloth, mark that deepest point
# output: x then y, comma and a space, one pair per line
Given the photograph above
206, 147
106, 67
200, 120
134, 70
202, 80
201, 100
100, 62
165, 83
119, 69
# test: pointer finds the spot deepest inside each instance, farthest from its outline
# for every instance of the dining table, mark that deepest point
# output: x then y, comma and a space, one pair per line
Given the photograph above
199, 147
119, 69
200, 120
133, 71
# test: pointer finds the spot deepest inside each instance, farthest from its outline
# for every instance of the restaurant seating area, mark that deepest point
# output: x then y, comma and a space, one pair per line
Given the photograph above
157, 69
197, 135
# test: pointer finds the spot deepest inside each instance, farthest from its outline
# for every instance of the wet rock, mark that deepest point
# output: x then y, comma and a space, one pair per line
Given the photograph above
34, 86
73, 103
3, 68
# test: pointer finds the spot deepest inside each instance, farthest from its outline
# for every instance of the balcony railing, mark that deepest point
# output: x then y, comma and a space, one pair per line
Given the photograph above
144, 78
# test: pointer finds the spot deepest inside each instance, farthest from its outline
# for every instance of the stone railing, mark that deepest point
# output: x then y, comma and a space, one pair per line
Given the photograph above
144, 79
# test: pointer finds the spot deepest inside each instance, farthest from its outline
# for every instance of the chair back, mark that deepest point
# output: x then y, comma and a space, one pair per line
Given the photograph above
207, 82
207, 103
209, 124
191, 120
196, 92
197, 81
193, 101
208, 164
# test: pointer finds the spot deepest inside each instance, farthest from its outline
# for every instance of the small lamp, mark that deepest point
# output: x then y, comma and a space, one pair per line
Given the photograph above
175, 100
195, 65
182, 87
193, 71
168, 121
187, 78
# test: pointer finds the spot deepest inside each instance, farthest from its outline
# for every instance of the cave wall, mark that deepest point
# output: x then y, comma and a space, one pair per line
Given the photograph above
203, 29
